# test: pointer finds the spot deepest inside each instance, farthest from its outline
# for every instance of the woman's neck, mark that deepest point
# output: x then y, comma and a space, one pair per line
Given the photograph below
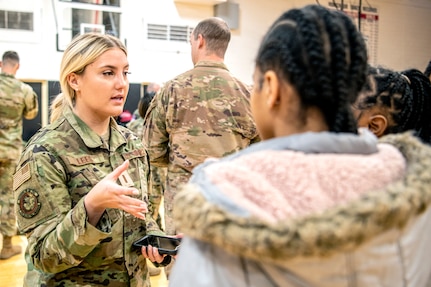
312, 121
99, 125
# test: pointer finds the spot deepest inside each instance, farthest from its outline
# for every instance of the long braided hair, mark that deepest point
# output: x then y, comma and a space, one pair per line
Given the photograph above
322, 54
405, 96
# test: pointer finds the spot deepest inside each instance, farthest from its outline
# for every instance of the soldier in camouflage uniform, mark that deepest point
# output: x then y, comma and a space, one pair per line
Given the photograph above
17, 100
81, 183
202, 113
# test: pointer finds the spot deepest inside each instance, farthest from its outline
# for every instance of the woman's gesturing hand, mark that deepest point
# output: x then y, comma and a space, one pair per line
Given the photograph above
109, 194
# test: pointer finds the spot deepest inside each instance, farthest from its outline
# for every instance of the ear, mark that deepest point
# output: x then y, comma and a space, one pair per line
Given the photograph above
72, 79
378, 124
201, 41
271, 88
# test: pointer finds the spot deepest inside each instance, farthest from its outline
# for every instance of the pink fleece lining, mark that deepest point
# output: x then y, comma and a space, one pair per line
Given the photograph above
274, 185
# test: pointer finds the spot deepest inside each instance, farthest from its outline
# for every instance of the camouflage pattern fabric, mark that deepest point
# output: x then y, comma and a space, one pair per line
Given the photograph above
137, 126
17, 100
156, 190
59, 166
202, 113
7, 212
157, 174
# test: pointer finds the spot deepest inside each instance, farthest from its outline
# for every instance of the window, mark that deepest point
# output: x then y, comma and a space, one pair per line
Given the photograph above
115, 3
81, 16
110, 20
16, 20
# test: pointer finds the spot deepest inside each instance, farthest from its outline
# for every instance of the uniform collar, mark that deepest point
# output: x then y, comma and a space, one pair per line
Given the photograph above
7, 75
89, 137
220, 65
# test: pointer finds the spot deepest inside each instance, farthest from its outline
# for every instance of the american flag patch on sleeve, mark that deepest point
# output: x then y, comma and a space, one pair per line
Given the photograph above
21, 176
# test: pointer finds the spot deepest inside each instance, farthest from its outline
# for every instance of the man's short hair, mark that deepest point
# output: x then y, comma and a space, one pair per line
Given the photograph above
10, 56
216, 33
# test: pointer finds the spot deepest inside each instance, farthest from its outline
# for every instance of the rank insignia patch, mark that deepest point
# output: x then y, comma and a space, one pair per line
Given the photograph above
28, 203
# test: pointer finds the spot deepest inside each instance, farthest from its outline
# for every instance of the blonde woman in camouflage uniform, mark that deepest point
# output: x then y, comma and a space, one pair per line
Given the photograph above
81, 183
17, 100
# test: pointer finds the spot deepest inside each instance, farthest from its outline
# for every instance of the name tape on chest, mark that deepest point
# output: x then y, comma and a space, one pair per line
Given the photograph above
81, 160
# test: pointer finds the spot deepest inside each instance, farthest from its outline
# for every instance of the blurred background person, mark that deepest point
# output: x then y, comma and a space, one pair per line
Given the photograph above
17, 101
137, 124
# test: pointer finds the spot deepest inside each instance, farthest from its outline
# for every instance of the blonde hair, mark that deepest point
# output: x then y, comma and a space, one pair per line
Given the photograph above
82, 51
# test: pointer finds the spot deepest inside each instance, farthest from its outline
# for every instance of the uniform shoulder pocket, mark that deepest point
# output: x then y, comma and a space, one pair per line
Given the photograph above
31, 204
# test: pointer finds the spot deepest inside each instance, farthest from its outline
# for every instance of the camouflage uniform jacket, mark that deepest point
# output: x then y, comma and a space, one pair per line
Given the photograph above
17, 100
60, 165
240, 234
204, 112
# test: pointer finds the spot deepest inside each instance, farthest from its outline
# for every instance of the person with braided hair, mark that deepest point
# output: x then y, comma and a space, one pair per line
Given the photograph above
393, 102
300, 208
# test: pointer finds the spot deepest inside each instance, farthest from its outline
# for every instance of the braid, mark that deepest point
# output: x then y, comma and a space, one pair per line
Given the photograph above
339, 70
401, 103
313, 53
321, 53
358, 59
279, 52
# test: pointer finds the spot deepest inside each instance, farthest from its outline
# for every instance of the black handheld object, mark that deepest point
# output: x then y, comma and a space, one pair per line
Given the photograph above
165, 244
